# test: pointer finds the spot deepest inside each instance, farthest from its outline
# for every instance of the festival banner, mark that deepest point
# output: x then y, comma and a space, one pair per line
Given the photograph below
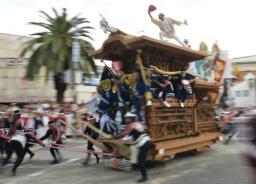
220, 68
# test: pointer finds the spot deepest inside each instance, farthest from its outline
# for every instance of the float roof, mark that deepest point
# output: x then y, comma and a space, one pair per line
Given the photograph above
117, 44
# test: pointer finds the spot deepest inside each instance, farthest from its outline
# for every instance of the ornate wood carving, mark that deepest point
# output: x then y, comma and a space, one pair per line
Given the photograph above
205, 109
163, 61
171, 122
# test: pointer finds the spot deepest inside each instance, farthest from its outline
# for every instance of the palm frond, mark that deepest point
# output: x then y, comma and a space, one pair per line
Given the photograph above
48, 17
53, 48
41, 24
55, 12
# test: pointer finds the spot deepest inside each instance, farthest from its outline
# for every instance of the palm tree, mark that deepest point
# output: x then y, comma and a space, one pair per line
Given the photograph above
52, 48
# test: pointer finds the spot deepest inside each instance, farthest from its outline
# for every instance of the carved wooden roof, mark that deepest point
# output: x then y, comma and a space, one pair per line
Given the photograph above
119, 44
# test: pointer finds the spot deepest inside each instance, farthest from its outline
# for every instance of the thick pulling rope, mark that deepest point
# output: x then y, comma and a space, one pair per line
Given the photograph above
109, 159
81, 150
93, 141
77, 149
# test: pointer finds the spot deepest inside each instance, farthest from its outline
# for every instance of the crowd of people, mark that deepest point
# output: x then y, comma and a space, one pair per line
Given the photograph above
23, 126
20, 130
123, 93
122, 99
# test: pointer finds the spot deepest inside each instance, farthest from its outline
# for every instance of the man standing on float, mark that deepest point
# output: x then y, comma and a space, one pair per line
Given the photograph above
166, 25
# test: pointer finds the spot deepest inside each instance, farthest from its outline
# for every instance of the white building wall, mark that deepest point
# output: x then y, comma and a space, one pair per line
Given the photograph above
244, 93
13, 69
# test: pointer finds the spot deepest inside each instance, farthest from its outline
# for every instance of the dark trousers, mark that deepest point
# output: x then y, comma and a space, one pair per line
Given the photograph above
157, 92
2, 147
28, 145
183, 95
143, 151
136, 108
90, 148
55, 151
14, 146
60, 95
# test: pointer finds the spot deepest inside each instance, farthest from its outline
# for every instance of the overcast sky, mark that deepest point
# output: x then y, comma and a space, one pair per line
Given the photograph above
231, 22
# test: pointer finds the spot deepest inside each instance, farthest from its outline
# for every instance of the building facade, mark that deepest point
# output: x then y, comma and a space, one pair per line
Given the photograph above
244, 93
14, 87
244, 65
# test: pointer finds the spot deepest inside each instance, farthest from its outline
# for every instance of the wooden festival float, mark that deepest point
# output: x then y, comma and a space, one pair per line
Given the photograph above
173, 130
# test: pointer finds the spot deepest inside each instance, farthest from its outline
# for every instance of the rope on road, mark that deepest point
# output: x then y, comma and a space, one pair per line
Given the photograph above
81, 150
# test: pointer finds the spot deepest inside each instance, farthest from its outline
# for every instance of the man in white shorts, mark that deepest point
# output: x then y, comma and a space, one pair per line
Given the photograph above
166, 26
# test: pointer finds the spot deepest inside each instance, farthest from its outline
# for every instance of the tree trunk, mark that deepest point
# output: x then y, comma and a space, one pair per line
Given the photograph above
60, 95
60, 87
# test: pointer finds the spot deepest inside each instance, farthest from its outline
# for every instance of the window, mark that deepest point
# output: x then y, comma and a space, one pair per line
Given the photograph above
246, 93
243, 93
238, 93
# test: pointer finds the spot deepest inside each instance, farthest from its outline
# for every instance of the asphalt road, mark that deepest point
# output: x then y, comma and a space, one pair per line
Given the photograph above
219, 164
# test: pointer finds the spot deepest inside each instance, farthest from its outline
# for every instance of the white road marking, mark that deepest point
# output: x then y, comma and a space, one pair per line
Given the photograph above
36, 174
71, 160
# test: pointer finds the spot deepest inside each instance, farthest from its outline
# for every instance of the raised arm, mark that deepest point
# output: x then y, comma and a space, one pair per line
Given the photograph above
149, 13
155, 21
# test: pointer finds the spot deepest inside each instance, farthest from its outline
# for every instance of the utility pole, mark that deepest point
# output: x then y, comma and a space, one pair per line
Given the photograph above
75, 64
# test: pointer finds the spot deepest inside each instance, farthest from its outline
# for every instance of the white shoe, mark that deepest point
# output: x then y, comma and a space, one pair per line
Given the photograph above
182, 104
166, 104
149, 103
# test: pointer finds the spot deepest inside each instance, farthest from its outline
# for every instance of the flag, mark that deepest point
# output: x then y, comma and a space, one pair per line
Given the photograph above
92, 105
